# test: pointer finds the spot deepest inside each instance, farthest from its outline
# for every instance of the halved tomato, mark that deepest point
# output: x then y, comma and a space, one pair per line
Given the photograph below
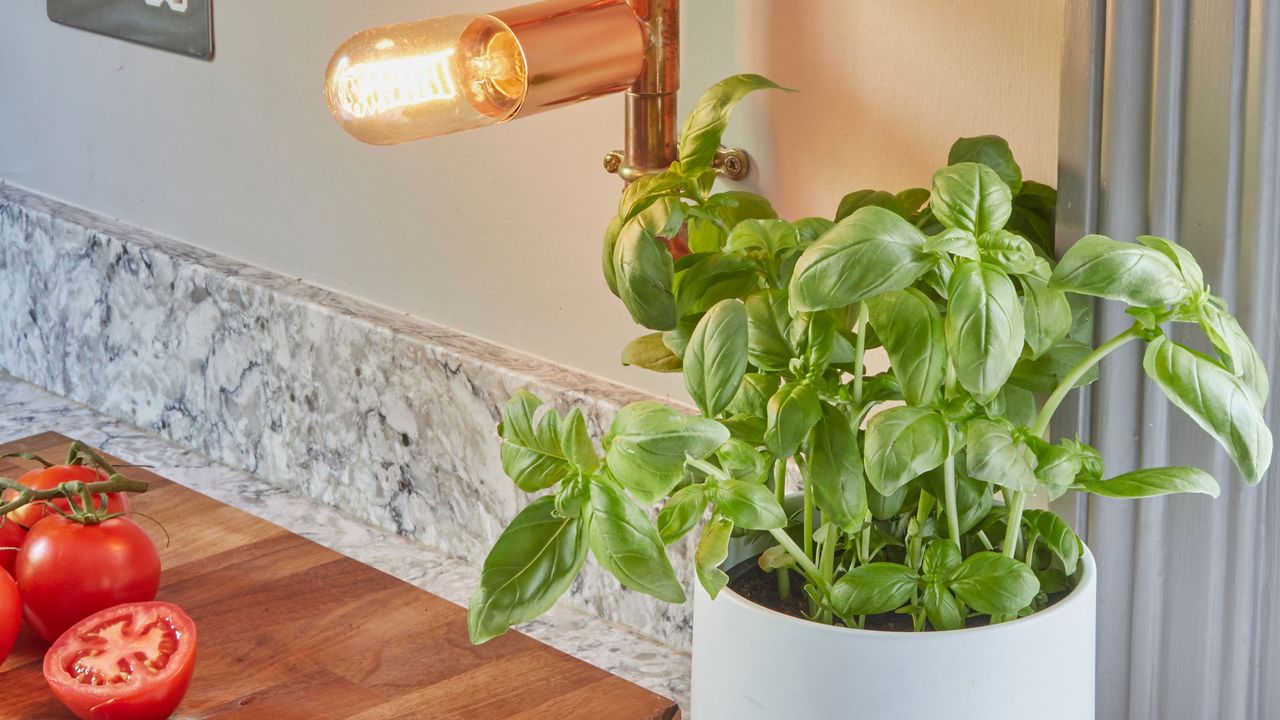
10, 614
51, 477
129, 662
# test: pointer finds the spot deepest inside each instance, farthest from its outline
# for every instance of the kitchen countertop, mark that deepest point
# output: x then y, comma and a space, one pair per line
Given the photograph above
26, 410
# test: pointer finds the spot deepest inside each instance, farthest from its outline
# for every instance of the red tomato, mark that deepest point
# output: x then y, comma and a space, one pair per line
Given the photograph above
67, 571
11, 536
10, 614
52, 477
129, 662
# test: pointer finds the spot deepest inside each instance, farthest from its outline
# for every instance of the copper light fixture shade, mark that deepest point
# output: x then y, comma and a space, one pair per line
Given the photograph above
415, 80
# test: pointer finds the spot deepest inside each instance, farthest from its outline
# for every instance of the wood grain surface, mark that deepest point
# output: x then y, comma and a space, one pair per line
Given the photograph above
289, 629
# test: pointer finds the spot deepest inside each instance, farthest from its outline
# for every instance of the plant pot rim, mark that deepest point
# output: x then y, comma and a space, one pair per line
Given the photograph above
1088, 578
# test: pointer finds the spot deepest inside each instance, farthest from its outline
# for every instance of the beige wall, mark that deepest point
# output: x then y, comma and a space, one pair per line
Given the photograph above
497, 232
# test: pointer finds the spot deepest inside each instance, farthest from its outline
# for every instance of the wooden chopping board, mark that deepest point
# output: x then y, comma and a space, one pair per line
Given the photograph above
289, 629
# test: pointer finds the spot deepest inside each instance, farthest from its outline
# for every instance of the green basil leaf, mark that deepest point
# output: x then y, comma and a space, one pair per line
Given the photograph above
811, 228
1008, 251
941, 558
754, 393
1015, 404
716, 358
884, 506
771, 236
1056, 468
1057, 535
576, 445
1218, 401
645, 276
1236, 350
859, 199
705, 126
791, 413
625, 542
530, 451
682, 512
742, 461
874, 588
953, 241
902, 443
531, 565
677, 338
734, 206
648, 444
994, 456
1046, 372
1140, 276
713, 549
910, 327
993, 584
768, 328
646, 190
913, 199
992, 151
1181, 257
984, 328
1046, 315
942, 608
971, 197
749, 505
606, 260
833, 468
713, 277
870, 252
1151, 482
651, 353
816, 334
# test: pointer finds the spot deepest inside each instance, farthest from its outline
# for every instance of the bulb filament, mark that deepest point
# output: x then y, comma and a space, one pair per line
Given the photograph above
372, 88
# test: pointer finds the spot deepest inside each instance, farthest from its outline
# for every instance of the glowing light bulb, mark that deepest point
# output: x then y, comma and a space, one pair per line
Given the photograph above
415, 80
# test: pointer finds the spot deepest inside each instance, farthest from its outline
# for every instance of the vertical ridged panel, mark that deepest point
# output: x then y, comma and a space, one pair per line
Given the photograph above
1178, 102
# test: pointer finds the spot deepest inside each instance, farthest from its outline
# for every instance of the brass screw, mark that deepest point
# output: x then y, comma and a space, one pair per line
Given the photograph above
613, 161
733, 166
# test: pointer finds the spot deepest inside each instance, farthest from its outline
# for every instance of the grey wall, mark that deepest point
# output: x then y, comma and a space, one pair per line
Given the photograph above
497, 233
1171, 125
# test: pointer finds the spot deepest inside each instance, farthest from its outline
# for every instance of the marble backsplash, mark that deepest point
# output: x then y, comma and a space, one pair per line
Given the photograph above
387, 418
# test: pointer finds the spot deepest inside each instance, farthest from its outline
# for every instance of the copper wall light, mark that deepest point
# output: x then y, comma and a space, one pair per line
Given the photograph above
420, 79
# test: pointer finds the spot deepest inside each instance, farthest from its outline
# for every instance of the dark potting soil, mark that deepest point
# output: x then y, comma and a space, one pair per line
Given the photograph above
748, 580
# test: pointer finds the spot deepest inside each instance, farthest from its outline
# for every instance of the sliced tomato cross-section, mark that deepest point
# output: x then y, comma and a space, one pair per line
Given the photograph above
129, 662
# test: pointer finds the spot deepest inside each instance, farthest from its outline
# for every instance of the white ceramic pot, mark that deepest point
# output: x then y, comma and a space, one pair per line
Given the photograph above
750, 662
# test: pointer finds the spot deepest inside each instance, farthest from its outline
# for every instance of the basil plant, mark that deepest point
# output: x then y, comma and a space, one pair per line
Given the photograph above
915, 480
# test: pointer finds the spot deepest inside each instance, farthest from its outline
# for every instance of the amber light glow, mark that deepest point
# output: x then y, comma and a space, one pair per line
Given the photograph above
415, 80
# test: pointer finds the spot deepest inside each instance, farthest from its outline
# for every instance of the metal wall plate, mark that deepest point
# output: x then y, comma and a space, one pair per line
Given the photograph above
181, 26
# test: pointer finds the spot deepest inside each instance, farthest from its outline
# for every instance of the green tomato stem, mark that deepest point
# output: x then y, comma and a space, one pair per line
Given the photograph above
115, 484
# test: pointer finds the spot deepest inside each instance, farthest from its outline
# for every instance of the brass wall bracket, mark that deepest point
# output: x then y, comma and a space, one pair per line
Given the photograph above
732, 163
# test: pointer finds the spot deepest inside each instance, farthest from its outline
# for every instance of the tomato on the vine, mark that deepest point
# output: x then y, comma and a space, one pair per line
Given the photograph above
10, 614
11, 536
68, 570
130, 662
51, 477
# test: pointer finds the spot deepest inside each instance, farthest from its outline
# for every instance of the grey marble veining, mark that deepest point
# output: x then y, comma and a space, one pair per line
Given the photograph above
27, 410
387, 418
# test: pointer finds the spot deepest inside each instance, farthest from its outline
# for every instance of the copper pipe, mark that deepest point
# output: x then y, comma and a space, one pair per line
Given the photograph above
651, 100
576, 50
